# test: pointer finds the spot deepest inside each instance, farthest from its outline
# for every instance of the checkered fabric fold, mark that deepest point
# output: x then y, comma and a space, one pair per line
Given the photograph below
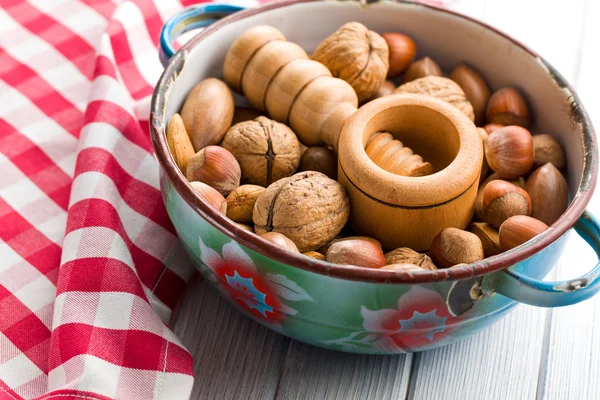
90, 266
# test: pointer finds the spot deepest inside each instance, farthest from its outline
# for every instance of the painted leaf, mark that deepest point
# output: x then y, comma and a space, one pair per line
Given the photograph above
208, 256
356, 341
287, 310
376, 320
287, 288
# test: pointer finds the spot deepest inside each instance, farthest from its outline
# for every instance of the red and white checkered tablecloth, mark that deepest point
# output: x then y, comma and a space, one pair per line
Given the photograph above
90, 266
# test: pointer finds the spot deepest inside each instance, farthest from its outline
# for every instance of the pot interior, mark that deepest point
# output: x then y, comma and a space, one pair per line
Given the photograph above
447, 38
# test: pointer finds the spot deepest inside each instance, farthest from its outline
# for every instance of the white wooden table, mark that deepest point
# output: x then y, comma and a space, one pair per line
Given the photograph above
533, 353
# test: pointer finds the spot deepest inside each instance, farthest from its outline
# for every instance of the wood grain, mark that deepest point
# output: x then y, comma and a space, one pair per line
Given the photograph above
313, 373
234, 357
572, 364
501, 362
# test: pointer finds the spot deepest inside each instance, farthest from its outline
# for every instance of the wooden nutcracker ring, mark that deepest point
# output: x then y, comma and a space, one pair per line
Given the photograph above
402, 211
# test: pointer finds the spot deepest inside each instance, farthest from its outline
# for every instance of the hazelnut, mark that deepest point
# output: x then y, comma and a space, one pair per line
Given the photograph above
320, 159
520, 182
485, 168
507, 107
179, 142
546, 149
240, 202
211, 196
401, 267
242, 114
519, 229
362, 253
303, 149
280, 240
405, 255
315, 254
358, 56
340, 238
402, 52
266, 150
207, 112
488, 236
509, 151
245, 227
475, 87
385, 89
442, 88
309, 208
216, 167
489, 128
420, 69
454, 246
502, 200
549, 194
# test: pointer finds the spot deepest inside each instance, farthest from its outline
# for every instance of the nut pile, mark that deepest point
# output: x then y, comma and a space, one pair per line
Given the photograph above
256, 170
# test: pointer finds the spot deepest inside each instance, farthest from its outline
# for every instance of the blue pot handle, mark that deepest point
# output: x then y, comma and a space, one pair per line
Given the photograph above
557, 294
192, 17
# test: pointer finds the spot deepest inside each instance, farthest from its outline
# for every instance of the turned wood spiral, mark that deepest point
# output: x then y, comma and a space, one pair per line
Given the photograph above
276, 76
393, 156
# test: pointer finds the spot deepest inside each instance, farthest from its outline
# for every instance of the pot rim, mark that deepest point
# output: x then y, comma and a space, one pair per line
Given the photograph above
349, 272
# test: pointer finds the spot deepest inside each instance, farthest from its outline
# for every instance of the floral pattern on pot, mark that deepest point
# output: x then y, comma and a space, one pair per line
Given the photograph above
336, 313
260, 295
420, 321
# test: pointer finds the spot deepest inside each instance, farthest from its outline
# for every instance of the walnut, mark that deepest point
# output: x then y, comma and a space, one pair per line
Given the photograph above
265, 149
405, 255
309, 208
358, 56
442, 88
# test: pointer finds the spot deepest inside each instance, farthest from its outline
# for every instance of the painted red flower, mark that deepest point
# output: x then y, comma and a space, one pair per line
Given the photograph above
421, 320
239, 277
259, 294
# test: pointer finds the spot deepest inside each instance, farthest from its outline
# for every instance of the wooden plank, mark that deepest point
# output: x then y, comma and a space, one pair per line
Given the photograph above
234, 357
313, 373
499, 363
573, 359
588, 79
574, 343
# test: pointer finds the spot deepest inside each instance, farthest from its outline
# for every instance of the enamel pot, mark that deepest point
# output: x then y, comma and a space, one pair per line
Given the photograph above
347, 308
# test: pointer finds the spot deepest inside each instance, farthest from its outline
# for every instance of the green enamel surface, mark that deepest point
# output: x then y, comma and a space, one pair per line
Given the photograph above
332, 309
